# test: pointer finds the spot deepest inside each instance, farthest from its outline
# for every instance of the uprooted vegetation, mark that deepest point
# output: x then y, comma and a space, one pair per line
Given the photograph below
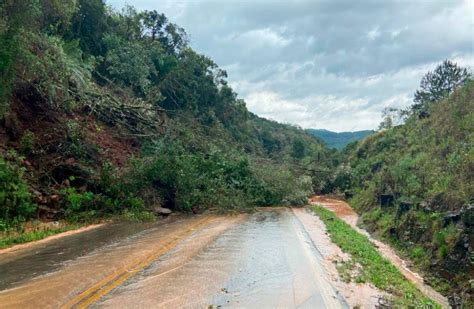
106, 113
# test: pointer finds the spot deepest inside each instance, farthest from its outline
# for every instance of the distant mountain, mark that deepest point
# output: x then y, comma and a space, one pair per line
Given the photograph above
338, 140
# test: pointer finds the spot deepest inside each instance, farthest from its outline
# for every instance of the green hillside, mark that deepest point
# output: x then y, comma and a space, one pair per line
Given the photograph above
339, 140
112, 113
414, 186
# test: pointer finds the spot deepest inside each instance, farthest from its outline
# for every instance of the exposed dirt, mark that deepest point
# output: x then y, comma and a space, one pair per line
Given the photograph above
61, 145
112, 147
361, 295
342, 210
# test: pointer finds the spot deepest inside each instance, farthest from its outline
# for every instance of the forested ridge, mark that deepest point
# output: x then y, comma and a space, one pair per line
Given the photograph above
339, 140
109, 112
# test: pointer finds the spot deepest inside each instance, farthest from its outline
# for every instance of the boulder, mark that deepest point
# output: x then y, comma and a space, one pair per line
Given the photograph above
404, 207
158, 210
451, 217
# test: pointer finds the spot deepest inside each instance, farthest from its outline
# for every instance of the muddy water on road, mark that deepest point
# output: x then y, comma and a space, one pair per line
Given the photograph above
17, 266
267, 261
276, 257
70, 273
346, 213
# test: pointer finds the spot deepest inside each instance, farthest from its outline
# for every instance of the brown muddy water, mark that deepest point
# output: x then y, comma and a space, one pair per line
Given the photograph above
266, 261
275, 257
18, 266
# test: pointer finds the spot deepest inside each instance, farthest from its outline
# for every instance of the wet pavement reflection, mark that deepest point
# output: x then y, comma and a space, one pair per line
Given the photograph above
18, 267
262, 260
265, 262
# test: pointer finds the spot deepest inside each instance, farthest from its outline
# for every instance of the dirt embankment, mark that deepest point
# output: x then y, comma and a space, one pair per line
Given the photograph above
342, 210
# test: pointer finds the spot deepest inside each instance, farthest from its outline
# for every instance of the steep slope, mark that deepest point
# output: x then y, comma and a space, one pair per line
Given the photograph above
339, 140
414, 186
112, 113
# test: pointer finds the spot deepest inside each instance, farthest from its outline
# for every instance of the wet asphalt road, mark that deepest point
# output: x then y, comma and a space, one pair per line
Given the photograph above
263, 260
17, 268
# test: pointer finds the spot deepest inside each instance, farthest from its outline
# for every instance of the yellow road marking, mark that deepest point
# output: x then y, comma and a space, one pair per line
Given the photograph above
110, 282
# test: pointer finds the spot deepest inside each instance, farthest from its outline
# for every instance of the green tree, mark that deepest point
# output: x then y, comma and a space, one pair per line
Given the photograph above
298, 148
57, 15
16, 18
438, 85
129, 64
88, 25
191, 85
154, 23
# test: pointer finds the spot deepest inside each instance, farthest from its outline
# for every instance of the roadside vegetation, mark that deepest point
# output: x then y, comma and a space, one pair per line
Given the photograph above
412, 182
374, 268
34, 230
111, 113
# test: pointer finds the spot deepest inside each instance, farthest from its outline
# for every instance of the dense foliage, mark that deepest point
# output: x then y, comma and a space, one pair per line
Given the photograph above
15, 200
115, 113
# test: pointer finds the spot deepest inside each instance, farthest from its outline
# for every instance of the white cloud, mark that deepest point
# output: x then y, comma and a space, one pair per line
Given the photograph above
373, 34
325, 64
262, 37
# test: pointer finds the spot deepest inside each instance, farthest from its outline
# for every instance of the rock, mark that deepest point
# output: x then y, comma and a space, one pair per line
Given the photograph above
78, 175
423, 204
451, 217
161, 211
348, 194
66, 183
403, 207
467, 215
455, 301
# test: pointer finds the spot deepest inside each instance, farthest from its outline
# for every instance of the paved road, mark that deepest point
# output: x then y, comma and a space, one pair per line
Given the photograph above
263, 260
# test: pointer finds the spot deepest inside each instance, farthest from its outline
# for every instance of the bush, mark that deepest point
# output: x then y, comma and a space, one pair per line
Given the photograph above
192, 180
15, 200
27, 142
77, 202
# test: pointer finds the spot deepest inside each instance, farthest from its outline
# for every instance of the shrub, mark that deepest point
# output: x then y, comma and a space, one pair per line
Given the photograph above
15, 200
27, 142
77, 202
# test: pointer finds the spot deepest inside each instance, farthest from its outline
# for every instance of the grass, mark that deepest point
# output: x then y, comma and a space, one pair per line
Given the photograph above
8, 239
421, 254
375, 269
36, 230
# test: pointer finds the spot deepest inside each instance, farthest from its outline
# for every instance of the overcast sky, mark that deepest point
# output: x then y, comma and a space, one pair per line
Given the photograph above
324, 64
